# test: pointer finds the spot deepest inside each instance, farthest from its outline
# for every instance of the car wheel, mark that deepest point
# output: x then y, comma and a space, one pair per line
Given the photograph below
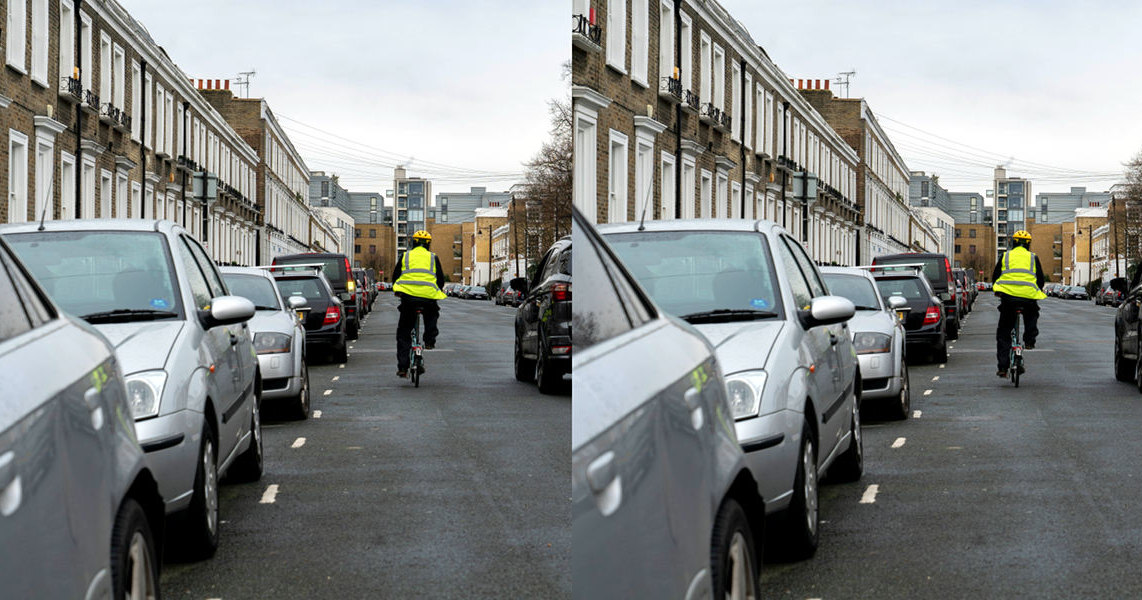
904, 401
1123, 367
202, 526
940, 355
134, 561
340, 354
1138, 371
353, 329
249, 465
548, 376
733, 556
302, 410
954, 329
850, 466
803, 520
524, 368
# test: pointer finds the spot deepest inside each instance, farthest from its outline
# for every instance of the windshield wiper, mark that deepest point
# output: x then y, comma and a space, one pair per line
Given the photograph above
866, 308
259, 307
727, 315
127, 314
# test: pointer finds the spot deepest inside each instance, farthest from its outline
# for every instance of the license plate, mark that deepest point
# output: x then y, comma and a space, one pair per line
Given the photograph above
301, 316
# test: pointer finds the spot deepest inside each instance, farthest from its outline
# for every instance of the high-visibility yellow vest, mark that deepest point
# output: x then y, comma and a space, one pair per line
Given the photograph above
418, 275
1018, 275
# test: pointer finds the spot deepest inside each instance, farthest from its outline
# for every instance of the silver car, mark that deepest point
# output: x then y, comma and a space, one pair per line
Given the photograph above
663, 503
878, 336
279, 337
181, 340
80, 513
791, 371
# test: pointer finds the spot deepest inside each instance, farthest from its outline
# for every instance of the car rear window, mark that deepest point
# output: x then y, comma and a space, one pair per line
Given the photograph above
332, 266
908, 288
258, 290
854, 287
934, 268
308, 287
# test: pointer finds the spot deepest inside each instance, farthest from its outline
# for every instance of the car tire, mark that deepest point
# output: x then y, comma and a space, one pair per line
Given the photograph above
301, 409
803, 520
849, 466
353, 330
548, 376
340, 354
954, 329
249, 465
524, 367
903, 404
134, 559
732, 551
1123, 367
940, 355
202, 524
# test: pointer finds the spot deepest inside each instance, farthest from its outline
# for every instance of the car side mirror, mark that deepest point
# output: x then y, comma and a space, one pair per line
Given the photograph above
826, 310
296, 302
519, 284
1118, 284
227, 310
898, 303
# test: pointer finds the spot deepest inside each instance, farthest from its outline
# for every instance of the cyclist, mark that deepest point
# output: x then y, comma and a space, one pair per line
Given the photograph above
417, 280
1019, 279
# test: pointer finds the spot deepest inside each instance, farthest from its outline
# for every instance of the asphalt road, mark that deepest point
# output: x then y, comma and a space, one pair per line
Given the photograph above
456, 489
992, 491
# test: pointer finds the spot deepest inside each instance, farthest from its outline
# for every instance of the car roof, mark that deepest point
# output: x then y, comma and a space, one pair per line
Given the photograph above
254, 271
758, 225
846, 271
160, 225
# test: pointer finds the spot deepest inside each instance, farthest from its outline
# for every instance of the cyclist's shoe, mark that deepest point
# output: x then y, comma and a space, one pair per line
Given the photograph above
430, 345
1001, 372
402, 374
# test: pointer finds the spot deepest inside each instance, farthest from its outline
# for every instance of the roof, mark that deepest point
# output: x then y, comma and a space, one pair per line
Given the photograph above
692, 225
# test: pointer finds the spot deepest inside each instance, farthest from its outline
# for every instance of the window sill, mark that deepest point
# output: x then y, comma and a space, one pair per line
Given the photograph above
616, 68
640, 83
17, 68
39, 81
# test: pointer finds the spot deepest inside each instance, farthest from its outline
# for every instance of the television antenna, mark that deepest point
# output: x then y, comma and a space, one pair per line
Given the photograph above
843, 80
243, 80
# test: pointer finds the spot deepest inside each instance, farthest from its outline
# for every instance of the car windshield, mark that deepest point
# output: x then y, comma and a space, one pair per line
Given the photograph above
258, 290
307, 287
698, 272
103, 276
908, 288
934, 268
332, 266
854, 287
480, 289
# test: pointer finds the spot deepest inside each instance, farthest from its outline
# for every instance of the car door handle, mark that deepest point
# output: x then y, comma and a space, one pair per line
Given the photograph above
693, 399
605, 483
233, 340
833, 339
11, 492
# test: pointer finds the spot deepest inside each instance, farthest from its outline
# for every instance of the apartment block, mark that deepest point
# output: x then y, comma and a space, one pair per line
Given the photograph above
678, 113
410, 206
975, 249
457, 207
968, 207
99, 123
1057, 207
1047, 244
1010, 210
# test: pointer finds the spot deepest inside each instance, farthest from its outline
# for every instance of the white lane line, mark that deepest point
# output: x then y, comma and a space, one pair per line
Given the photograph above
317, 414
342, 366
869, 495
899, 442
336, 377
926, 393
327, 392
942, 366
270, 495
298, 443
915, 414
936, 378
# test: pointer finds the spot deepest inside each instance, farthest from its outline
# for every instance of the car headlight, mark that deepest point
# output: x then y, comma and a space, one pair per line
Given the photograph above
743, 390
872, 343
271, 343
144, 390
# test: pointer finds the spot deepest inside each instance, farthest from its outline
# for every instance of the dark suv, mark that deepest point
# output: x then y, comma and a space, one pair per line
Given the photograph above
543, 320
925, 326
338, 271
938, 270
325, 322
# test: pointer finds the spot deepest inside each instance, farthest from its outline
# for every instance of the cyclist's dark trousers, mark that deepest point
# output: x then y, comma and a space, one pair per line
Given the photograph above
1007, 307
407, 308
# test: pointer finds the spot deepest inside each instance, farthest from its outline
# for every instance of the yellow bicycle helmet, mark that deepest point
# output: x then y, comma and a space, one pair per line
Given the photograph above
1022, 235
422, 235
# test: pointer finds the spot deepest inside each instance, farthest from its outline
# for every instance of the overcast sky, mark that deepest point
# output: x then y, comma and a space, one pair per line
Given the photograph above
1049, 82
459, 83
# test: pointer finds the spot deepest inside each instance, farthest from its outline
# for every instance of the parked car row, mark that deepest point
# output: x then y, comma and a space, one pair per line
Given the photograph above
1107, 295
1068, 292
952, 287
466, 292
505, 296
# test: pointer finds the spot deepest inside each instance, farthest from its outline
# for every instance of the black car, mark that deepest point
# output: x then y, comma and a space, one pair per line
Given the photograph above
338, 271
365, 292
325, 323
938, 270
925, 324
543, 320
1127, 326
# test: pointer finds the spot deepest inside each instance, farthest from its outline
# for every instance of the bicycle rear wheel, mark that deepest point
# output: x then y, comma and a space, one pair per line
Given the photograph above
417, 349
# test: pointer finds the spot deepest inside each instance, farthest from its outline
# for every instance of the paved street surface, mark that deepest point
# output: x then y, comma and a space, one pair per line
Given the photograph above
992, 491
456, 489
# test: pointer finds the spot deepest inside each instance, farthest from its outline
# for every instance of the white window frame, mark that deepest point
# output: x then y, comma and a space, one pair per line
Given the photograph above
136, 101
770, 120
617, 35
747, 111
135, 210
666, 188
66, 185
104, 67
121, 194
585, 187
45, 174
18, 158
16, 36
118, 78
686, 40
719, 77
159, 119
40, 34
66, 39
639, 41
689, 185
168, 113
618, 180
735, 102
180, 117
149, 199
736, 200
87, 187
705, 67
721, 194
665, 39
706, 195
149, 103
106, 191
85, 50
643, 176
759, 141
750, 202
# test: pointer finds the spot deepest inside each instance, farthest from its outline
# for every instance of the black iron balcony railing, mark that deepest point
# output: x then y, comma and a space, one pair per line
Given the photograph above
124, 120
91, 99
186, 163
109, 113
670, 89
70, 88
714, 115
583, 26
691, 100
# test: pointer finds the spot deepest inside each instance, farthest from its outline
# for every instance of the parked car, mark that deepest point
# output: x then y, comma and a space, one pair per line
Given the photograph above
663, 503
938, 269
755, 294
543, 320
1107, 295
326, 328
967, 291
279, 337
1074, 292
878, 337
1050, 288
340, 275
1127, 326
367, 292
925, 324
80, 512
156, 295
477, 292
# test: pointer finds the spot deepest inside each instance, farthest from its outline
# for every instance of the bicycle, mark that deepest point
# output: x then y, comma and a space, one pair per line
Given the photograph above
1015, 359
416, 352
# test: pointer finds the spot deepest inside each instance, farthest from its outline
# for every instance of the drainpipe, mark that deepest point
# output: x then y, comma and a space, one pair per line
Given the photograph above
678, 112
78, 119
185, 131
785, 153
741, 119
143, 134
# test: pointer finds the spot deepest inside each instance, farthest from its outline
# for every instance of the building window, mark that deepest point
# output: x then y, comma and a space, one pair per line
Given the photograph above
66, 40
39, 41
105, 194
666, 189
686, 41
705, 71
17, 171
957, 248
723, 191
121, 195
665, 39
15, 40
617, 182
707, 193
747, 111
118, 79
85, 51
357, 248
66, 185
88, 188
584, 186
136, 208
719, 77
639, 40
736, 200
104, 67
688, 184
971, 249
958, 233
617, 34
45, 171
971, 233
372, 233
137, 102
372, 249
736, 102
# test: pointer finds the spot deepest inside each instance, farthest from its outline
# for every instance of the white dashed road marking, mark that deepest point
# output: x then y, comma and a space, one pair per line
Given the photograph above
299, 442
328, 392
915, 414
926, 393
898, 443
317, 414
936, 378
336, 377
342, 366
270, 495
942, 366
869, 496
